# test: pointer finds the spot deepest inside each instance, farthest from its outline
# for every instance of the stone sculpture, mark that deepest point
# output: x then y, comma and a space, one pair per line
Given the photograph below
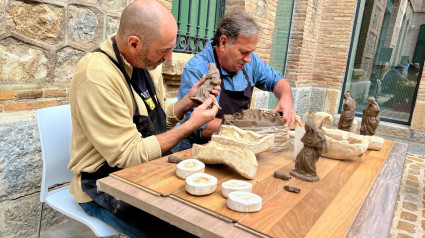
212, 79
262, 122
371, 118
346, 145
232, 135
323, 119
348, 111
240, 159
314, 145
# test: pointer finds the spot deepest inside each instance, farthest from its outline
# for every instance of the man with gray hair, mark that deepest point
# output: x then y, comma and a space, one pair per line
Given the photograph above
231, 49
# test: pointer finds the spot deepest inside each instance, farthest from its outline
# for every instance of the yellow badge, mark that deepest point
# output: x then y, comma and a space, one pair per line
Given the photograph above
150, 103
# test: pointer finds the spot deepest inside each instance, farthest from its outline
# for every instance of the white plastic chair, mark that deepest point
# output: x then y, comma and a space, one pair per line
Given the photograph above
54, 125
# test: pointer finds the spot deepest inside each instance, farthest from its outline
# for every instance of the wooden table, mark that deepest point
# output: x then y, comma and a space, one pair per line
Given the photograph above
353, 198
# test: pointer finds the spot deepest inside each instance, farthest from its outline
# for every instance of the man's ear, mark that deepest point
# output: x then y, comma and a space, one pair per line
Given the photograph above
223, 41
134, 42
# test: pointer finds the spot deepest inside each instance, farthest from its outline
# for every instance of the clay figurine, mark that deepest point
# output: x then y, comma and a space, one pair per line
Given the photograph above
370, 120
347, 115
280, 175
174, 159
314, 145
212, 79
291, 189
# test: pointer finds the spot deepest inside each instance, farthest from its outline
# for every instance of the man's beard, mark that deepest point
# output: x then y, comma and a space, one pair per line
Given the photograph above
147, 63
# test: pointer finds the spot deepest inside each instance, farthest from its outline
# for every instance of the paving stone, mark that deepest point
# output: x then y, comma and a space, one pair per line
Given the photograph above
412, 177
412, 183
414, 172
416, 159
412, 199
408, 216
412, 190
410, 206
406, 226
404, 236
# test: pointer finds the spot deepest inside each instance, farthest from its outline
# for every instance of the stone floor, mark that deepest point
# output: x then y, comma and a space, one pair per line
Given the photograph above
409, 216
408, 220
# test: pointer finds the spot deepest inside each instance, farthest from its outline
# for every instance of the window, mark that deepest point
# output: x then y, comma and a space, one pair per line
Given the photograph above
281, 34
387, 57
196, 21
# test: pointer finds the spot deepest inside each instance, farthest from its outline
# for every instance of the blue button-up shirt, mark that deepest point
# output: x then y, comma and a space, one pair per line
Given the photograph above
260, 75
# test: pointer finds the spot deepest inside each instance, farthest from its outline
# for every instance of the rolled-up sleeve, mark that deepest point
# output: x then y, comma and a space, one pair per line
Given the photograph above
264, 76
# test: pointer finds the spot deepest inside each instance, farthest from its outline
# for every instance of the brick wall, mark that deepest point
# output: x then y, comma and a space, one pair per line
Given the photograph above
334, 37
302, 49
320, 41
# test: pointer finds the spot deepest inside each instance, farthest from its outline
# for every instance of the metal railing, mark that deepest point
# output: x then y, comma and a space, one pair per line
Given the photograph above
207, 12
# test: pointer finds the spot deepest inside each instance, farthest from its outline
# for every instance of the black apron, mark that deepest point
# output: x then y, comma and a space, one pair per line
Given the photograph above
230, 102
233, 101
150, 125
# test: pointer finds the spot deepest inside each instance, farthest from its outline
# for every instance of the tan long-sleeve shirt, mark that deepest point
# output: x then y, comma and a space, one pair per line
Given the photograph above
102, 110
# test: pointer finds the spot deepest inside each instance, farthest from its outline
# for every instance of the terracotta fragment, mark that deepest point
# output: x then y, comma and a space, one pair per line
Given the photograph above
372, 142
346, 145
291, 189
241, 160
174, 159
281, 175
262, 122
232, 135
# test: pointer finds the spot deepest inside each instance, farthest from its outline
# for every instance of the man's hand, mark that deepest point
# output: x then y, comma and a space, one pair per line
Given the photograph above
203, 113
289, 115
196, 86
282, 91
185, 104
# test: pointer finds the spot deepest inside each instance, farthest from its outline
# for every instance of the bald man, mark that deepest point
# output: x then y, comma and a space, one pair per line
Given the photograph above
120, 116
